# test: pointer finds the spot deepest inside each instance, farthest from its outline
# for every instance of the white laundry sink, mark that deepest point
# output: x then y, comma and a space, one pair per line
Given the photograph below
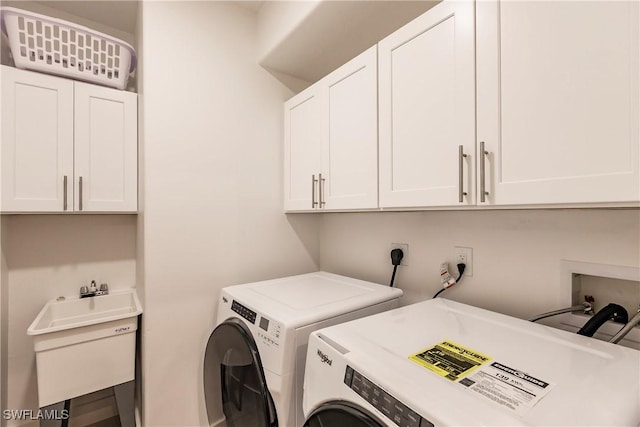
74, 312
85, 345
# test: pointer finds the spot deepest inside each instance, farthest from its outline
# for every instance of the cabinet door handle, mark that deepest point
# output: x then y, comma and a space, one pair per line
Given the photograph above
64, 193
80, 193
313, 192
483, 154
461, 156
321, 189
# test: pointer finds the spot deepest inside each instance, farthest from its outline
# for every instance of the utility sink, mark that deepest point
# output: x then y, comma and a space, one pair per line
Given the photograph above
85, 345
74, 312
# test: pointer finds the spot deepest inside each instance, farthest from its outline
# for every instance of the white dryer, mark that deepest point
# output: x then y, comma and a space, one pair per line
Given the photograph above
448, 364
255, 357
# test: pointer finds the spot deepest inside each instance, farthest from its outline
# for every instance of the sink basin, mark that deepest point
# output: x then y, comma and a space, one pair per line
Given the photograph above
75, 312
85, 345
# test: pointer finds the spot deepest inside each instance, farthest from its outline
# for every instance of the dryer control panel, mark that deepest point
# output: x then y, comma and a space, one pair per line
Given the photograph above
391, 407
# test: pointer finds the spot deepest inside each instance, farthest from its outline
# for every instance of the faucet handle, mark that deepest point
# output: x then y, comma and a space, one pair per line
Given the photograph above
104, 288
84, 290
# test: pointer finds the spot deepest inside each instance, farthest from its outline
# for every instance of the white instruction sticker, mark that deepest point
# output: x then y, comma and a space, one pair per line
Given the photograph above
511, 388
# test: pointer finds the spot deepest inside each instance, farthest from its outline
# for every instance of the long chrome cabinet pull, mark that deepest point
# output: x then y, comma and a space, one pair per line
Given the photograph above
483, 192
321, 189
80, 193
313, 192
64, 193
461, 156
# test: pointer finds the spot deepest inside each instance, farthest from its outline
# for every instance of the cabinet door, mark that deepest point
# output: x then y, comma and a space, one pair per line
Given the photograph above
37, 142
350, 139
302, 136
427, 109
558, 101
106, 149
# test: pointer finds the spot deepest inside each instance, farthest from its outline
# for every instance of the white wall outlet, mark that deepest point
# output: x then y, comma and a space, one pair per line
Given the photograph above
405, 252
465, 256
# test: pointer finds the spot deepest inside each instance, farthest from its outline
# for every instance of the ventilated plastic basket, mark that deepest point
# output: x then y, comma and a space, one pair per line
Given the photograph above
54, 46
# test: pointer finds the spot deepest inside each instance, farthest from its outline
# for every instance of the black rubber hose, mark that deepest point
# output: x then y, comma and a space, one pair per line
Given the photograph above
614, 312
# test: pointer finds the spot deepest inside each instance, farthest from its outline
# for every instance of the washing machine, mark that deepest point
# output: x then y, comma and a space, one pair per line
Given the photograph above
255, 357
443, 363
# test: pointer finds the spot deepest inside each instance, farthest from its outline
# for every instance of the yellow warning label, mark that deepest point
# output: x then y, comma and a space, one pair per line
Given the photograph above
450, 360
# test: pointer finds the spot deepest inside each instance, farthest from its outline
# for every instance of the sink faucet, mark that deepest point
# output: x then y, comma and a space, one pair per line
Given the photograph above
93, 291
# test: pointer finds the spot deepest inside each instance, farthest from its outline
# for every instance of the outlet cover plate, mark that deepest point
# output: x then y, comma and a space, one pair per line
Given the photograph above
405, 252
462, 254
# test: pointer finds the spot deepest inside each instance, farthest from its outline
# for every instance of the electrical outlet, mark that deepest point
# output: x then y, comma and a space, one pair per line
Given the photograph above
465, 256
405, 251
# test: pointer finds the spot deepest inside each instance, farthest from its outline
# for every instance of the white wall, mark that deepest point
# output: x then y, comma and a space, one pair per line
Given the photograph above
516, 254
212, 211
52, 255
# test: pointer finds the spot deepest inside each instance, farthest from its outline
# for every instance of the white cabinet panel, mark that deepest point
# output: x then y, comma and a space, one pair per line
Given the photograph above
302, 138
558, 101
106, 154
350, 147
37, 142
427, 109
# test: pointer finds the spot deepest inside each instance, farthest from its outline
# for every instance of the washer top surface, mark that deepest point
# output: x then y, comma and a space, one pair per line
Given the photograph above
588, 382
308, 298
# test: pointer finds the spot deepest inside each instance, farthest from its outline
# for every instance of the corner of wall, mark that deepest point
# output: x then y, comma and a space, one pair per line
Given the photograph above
276, 20
294, 84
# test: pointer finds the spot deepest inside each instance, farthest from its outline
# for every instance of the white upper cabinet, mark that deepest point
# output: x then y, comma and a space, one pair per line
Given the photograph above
106, 149
558, 90
350, 141
66, 146
331, 140
427, 110
37, 142
302, 139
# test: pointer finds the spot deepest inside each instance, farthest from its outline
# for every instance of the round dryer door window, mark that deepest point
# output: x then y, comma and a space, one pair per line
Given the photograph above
233, 370
341, 414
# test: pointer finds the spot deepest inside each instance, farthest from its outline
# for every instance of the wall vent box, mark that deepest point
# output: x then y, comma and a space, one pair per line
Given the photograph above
607, 284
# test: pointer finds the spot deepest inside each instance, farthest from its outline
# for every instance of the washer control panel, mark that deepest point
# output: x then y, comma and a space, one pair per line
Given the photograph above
391, 407
243, 311
264, 330
270, 331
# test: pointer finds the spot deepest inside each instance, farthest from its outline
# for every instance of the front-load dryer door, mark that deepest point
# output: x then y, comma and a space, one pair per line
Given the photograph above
341, 413
232, 355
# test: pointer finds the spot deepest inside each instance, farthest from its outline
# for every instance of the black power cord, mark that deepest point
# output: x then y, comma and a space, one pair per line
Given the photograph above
461, 268
396, 258
439, 292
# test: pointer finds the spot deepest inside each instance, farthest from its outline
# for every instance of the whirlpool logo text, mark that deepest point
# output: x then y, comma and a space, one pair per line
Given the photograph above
324, 358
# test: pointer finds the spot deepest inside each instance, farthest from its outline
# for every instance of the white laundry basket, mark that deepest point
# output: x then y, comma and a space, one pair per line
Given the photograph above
54, 46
